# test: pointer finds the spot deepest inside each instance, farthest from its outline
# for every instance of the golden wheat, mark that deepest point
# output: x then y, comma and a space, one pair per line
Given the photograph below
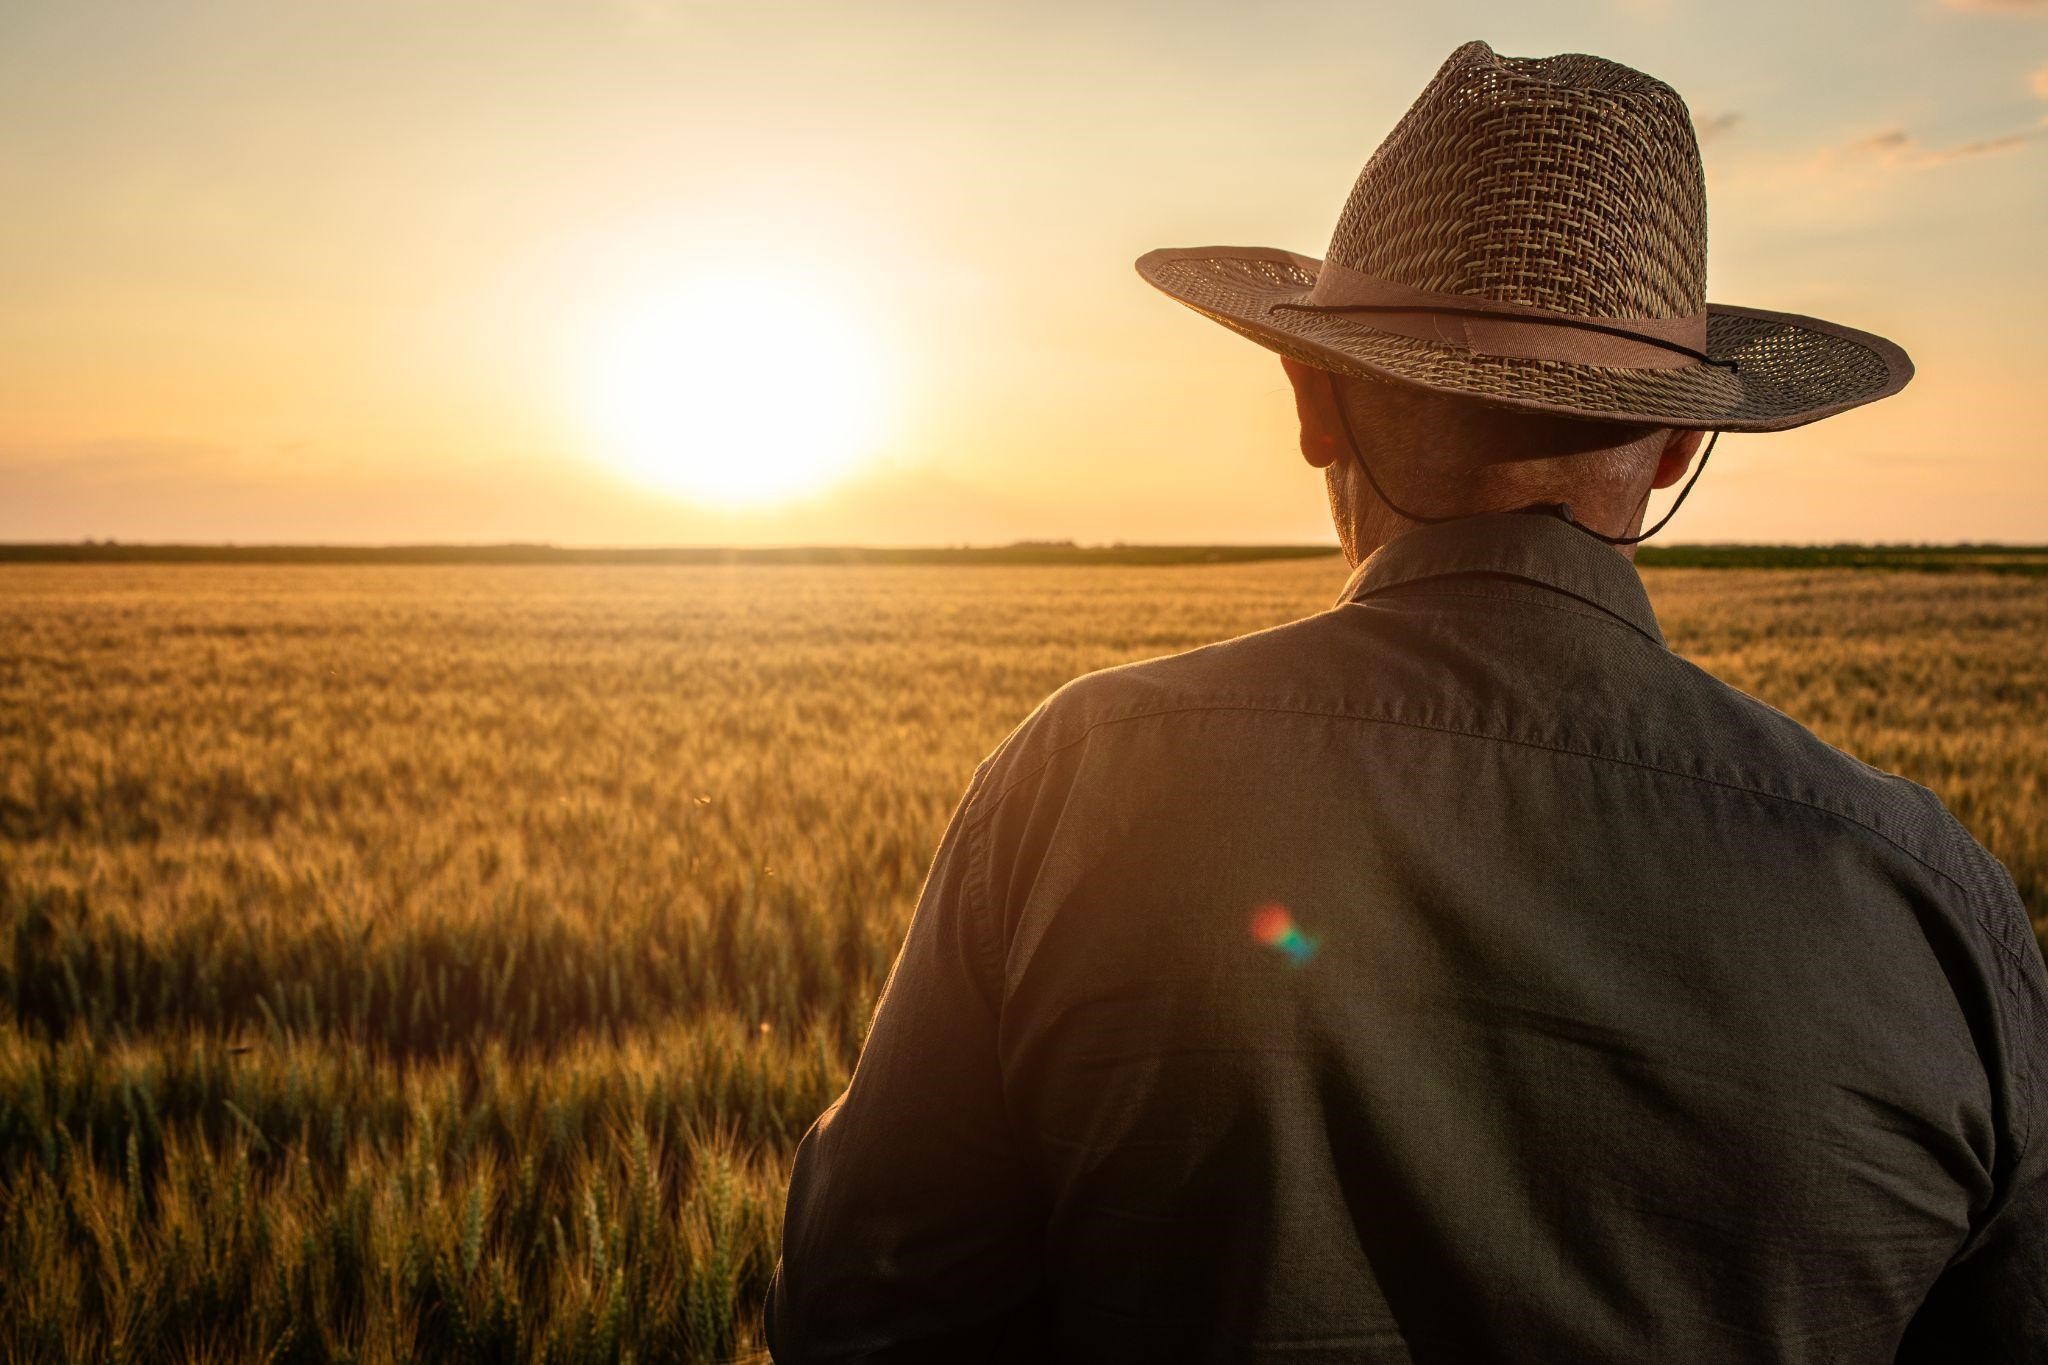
440, 963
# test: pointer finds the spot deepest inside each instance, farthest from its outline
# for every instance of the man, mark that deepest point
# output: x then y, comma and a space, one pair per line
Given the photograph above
1457, 974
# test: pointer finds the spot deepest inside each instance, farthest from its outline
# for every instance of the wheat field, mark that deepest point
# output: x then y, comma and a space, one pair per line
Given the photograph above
441, 963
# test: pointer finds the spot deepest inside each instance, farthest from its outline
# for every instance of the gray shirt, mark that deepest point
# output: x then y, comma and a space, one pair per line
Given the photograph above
1453, 975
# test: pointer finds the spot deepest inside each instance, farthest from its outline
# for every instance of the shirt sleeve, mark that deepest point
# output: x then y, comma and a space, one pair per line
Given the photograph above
1990, 1304
912, 1226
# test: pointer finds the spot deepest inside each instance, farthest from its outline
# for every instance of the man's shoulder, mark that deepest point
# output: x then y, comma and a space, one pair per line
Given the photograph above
1263, 670
1245, 670
1761, 748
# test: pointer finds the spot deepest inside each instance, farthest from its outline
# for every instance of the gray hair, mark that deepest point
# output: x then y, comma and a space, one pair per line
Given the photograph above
1444, 437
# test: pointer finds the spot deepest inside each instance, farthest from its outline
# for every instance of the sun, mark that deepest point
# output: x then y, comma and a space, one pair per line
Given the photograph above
736, 389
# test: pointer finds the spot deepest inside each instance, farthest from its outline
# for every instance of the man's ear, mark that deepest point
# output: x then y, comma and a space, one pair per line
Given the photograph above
1679, 448
1320, 441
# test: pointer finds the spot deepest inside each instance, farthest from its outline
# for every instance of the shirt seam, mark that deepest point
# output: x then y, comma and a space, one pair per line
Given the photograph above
980, 816
975, 850
1591, 612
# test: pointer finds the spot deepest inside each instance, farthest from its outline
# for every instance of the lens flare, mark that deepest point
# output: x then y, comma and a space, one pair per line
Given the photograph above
1273, 925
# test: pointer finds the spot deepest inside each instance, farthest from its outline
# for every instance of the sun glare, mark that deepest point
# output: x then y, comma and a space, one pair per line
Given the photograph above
736, 390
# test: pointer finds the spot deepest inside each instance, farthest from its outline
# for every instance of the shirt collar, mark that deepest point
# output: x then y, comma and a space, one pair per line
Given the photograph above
1539, 548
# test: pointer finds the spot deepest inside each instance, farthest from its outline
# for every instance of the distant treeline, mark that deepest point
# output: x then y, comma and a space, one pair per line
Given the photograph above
1023, 552
2022, 559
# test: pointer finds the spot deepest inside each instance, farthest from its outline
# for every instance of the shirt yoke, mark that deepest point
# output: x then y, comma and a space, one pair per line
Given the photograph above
1631, 701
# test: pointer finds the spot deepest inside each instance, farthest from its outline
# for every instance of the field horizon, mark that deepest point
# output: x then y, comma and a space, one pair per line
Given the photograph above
1989, 556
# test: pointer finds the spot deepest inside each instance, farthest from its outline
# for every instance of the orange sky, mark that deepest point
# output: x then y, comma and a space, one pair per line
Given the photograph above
296, 272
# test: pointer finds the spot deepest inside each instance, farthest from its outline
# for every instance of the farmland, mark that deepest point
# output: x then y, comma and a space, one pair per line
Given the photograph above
441, 962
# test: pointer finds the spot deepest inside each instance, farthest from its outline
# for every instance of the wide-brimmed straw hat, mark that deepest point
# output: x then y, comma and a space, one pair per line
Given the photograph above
1533, 234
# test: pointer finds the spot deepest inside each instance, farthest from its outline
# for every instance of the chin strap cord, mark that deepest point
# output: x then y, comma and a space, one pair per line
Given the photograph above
1562, 509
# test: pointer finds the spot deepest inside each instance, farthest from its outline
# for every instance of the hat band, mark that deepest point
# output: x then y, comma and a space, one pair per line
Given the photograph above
1493, 327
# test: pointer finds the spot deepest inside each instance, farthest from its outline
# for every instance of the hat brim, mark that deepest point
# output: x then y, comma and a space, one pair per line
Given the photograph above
1789, 370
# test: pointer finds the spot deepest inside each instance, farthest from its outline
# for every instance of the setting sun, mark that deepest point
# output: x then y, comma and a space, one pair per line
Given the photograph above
734, 389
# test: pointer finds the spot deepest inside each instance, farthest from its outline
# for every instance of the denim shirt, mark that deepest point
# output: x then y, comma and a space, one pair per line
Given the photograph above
1456, 974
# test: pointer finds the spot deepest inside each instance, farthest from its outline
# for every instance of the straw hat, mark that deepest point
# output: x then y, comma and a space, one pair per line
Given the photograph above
1533, 234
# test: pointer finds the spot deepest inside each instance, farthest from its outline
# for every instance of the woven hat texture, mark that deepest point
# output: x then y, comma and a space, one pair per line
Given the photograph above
1568, 185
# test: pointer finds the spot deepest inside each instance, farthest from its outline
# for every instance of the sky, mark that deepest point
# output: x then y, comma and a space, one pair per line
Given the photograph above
669, 272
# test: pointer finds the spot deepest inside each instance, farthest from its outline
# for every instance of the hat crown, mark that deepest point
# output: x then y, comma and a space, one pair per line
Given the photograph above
1571, 183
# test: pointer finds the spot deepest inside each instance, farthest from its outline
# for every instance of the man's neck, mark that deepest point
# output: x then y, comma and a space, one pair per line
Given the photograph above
1375, 530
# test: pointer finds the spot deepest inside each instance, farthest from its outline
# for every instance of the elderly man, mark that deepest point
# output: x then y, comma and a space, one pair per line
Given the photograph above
1456, 974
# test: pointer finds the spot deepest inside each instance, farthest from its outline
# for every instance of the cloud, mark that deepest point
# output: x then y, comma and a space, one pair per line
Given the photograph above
2034, 7
1896, 147
1869, 160
114, 459
1714, 125
1858, 172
